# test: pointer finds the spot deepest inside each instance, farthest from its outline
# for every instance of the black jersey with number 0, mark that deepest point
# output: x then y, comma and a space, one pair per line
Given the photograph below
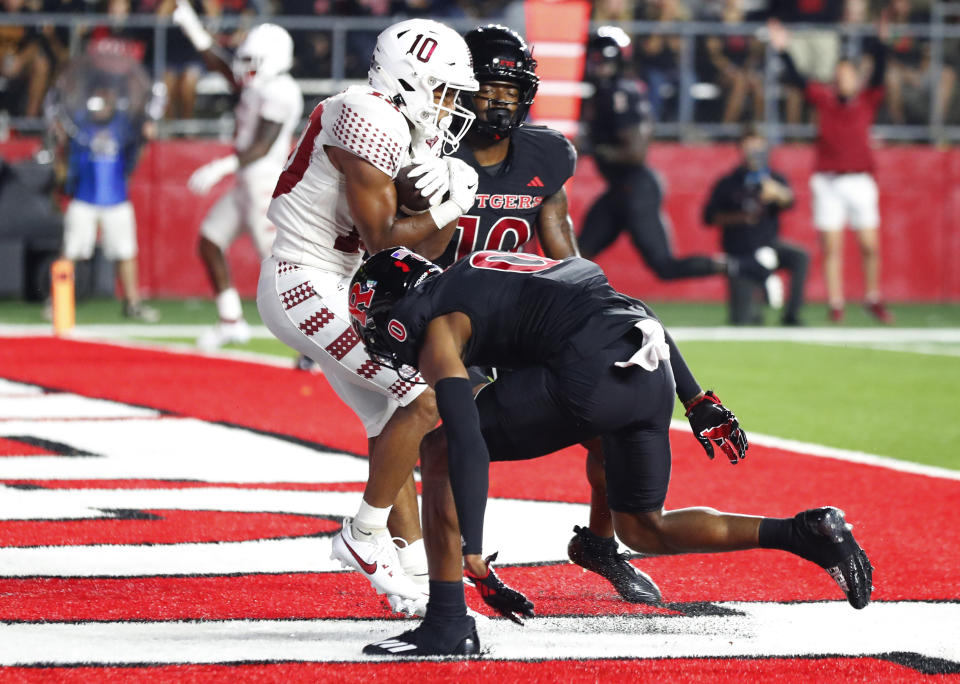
524, 309
504, 214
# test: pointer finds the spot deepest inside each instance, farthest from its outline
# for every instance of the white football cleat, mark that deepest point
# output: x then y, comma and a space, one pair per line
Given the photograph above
412, 607
233, 332
376, 559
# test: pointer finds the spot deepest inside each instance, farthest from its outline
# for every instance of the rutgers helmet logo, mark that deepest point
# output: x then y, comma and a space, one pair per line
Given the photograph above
359, 304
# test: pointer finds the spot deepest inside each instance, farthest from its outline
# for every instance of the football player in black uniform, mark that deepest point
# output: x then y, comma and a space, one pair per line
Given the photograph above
587, 361
522, 171
618, 119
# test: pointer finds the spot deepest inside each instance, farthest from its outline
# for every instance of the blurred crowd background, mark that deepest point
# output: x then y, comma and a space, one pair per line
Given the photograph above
705, 64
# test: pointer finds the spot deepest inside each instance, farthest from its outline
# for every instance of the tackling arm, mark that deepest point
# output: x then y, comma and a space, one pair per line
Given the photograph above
468, 460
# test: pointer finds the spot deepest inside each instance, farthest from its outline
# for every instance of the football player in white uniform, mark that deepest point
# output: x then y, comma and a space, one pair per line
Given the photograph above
267, 116
336, 198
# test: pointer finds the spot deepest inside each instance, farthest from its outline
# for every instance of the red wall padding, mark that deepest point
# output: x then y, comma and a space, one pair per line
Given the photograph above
919, 188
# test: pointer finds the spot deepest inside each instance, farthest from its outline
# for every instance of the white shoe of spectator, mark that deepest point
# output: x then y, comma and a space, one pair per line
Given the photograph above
224, 332
774, 287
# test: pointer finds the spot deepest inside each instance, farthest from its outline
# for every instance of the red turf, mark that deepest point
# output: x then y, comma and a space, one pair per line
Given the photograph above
302, 406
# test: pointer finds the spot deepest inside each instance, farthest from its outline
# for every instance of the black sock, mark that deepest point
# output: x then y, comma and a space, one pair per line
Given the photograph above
446, 601
446, 622
777, 533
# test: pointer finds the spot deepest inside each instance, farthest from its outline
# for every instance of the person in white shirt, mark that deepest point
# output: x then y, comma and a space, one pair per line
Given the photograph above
267, 116
335, 199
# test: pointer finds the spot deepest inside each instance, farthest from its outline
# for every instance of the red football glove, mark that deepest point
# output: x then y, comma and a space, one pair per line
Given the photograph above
713, 422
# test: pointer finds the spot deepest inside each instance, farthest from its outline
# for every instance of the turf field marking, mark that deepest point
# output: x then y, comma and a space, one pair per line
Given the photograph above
748, 630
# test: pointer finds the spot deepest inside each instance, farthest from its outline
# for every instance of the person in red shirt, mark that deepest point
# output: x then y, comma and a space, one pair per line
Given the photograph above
843, 187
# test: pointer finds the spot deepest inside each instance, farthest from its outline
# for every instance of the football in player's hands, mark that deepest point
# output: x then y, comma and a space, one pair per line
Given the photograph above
410, 198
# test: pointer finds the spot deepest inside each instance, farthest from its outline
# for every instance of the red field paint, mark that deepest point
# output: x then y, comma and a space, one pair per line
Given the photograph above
903, 520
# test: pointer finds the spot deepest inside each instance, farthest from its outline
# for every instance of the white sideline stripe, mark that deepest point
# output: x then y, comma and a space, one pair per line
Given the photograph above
123, 336
190, 350
756, 630
819, 335
822, 451
84, 332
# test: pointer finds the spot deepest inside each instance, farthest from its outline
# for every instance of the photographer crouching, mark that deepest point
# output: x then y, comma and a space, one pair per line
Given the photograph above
746, 205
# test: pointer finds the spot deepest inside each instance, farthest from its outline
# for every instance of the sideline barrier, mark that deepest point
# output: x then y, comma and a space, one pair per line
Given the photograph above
919, 198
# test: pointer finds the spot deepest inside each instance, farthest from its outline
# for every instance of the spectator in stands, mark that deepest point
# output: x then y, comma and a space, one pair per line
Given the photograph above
612, 11
25, 66
312, 49
844, 190
658, 56
116, 38
183, 68
737, 62
910, 78
814, 52
746, 204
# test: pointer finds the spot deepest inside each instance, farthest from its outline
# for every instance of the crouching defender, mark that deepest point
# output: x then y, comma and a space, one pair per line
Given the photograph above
590, 361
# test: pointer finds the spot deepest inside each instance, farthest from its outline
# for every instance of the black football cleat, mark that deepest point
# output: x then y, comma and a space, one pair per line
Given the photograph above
426, 641
824, 537
599, 555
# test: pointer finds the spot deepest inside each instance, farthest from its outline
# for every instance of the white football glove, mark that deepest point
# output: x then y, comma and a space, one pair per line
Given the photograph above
433, 179
463, 183
186, 18
208, 175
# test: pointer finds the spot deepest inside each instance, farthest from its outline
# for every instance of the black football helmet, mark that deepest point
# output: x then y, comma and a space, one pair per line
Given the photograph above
605, 57
379, 283
500, 54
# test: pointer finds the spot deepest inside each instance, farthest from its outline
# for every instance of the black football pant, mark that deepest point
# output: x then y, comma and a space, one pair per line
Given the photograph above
743, 288
633, 203
535, 411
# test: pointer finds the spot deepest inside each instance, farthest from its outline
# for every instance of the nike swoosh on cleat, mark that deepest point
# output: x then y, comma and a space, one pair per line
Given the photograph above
369, 568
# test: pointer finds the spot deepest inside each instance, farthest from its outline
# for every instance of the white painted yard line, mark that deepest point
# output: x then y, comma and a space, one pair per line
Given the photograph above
84, 332
818, 335
753, 630
190, 350
837, 453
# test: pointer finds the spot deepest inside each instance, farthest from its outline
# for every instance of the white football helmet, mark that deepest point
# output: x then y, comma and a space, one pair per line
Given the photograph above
411, 60
267, 51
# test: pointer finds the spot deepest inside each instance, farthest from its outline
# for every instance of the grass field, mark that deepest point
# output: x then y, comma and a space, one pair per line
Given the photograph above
884, 401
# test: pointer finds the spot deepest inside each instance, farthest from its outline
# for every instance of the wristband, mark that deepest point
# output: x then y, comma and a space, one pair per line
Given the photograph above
445, 212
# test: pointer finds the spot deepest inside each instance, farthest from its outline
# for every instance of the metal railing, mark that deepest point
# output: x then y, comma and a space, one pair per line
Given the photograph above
684, 126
